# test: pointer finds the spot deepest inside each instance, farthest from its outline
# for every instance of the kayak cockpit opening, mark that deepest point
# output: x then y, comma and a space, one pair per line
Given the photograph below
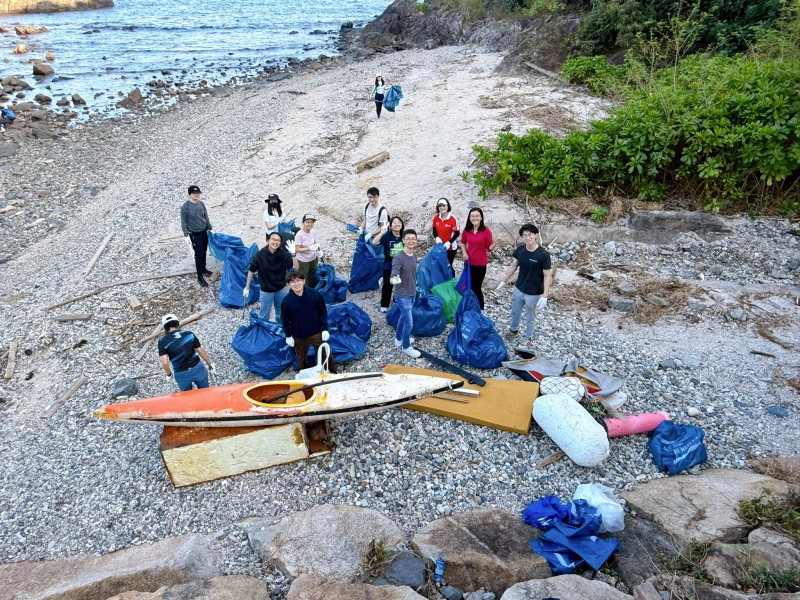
262, 394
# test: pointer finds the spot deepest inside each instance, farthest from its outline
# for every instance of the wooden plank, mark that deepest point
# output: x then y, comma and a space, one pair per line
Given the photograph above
134, 302
51, 410
7, 208
143, 349
97, 254
444, 396
72, 317
371, 162
12, 360
539, 69
186, 321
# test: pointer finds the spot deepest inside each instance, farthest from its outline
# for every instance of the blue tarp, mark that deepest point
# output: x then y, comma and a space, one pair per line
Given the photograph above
262, 346
544, 512
677, 447
392, 98
366, 269
434, 269
332, 288
473, 340
236, 257
428, 314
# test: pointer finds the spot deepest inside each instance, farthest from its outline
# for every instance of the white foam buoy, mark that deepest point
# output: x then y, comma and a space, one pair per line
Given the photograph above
571, 427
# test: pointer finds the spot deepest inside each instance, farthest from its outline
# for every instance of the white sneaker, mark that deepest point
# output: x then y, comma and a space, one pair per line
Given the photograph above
380, 282
384, 309
399, 343
411, 352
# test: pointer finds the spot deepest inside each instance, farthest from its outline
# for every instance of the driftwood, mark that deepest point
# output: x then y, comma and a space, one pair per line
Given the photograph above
185, 321
143, 349
290, 170
550, 459
51, 410
539, 69
97, 254
371, 161
72, 317
134, 303
12, 360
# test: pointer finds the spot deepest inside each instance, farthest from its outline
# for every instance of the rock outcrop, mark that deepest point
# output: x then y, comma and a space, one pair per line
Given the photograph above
564, 587
17, 7
314, 587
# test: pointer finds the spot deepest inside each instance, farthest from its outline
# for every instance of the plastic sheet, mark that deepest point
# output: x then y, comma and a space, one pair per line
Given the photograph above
333, 289
428, 313
473, 340
237, 258
366, 269
262, 346
450, 298
603, 499
434, 269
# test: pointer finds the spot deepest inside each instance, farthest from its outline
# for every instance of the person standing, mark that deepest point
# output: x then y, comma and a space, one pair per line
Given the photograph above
375, 215
273, 215
477, 242
404, 280
391, 238
308, 252
445, 230
196, 225
304, 317
533, 283
181, 350
271, 263
377, 93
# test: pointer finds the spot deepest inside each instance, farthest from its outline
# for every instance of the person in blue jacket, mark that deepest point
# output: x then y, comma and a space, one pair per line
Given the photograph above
377, 93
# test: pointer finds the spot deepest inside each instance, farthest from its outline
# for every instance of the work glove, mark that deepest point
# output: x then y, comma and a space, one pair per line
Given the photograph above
319, 254
168, 375
290, 342
395, 280
290, 246
500, 286
210, 367
188, 240
361, 231
325, 336
246, 294
314, 247
542, 303
447, 245
438, 240
384, 229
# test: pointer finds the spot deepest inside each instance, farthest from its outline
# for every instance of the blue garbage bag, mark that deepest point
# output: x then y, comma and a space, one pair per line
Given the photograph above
434, 269
392, 97
564, 554
677, 447
428, 313
350, 328
287, 227
262, 346
332, 288
473, 340
582, 519
544, 512
218, 244
465, 281
366, 269
234, 277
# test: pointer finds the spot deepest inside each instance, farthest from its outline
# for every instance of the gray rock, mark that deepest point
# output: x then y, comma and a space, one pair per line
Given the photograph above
62, 102
316, 587
77, 100
785, 468
406, 568
279, 77
646, 591
451, 593
628, 290
565, 256
691, 362
564, 587
792, 264
657, 300
135, 96
701, 507
686, 587
778, 273
8, 149
568, 26
737, 314
610, 247
43, 98
125, 387
643, 543
483, 548
661, 227
621, 304
667, 364
219, 588
778, 411
41, 70
220, 92
326, 540
620, 251
716, 270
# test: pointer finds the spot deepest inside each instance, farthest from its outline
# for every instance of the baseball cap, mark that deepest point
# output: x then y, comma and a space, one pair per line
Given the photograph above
309, 216
170, 318
193, 189
441, 202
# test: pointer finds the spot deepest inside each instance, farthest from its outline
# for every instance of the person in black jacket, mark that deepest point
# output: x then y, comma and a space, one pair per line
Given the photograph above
305, 319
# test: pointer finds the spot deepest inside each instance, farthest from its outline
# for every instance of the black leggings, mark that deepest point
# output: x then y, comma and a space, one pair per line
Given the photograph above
378, 104
386, 291
477, 274
451, 255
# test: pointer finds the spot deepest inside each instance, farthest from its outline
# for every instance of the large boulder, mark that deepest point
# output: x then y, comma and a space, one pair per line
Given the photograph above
326, 540
41, 69
786, 468
317, 587
661, 226
145, 568
564, 587
643, 543
701, 507
232, 587
483, 548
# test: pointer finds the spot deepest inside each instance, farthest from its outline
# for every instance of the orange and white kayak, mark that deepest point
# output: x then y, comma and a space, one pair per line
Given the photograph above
277, 402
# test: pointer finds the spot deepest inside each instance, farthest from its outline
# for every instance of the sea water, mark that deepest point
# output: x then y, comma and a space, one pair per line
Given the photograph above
100, 52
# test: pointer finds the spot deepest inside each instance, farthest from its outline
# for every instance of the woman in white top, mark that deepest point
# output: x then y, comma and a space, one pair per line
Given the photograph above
273, 215
377, 93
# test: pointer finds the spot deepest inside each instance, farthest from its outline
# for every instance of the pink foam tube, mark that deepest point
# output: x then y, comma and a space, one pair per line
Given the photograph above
635, 424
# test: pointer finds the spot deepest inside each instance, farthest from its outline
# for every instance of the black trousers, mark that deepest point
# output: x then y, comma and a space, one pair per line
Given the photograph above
200, 245
451, 255
477, 274
386, 290
378, 104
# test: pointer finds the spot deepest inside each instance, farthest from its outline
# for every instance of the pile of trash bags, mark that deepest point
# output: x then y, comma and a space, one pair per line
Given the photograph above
434, 269
450, 296
366, 269
350, 329
473, 341
236, 262
333, 289
428, 314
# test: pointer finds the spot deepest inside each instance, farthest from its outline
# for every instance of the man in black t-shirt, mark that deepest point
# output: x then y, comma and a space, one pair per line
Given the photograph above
179, 349
533, 283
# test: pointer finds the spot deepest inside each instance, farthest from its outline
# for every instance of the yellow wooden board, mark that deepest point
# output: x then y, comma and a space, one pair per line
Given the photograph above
502, 404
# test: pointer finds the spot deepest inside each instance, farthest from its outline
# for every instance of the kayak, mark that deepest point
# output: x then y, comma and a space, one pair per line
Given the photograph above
279, 402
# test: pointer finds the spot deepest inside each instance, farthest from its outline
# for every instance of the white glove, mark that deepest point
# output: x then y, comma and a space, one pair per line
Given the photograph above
319, 253
290, 342
325, 336
290, 246
188, 241
542, 303
361, 231
314, 247
384, 229
168, 375
438, 240
246, 294
447, 245
500, 286
210, 367
395, 280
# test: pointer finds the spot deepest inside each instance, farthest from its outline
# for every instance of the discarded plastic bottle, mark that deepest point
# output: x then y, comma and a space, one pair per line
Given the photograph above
438, 573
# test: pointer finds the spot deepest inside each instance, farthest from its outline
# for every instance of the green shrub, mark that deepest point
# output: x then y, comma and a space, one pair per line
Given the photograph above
471, 10
534, 8
595, 72
716, 130
598, 214
421, 7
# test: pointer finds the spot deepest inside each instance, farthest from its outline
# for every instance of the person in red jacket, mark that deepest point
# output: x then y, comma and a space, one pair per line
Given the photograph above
445, 230
477, 241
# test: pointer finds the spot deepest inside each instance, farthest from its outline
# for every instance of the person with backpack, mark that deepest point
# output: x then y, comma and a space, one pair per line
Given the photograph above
375, 218
391, 239
445, 230
404, 279
180, 353
477, 242
196, 225
533, 283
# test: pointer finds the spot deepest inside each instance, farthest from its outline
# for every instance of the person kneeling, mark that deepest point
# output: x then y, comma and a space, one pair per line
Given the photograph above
305, 319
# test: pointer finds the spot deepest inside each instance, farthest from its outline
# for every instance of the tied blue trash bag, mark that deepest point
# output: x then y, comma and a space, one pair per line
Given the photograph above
544, 512
465, 281
350, 328
218, 244
474, 341
332, 288
428, 314
288, 228
234, 277
434, 269
677, 447
262, 346
392, 98
366, 269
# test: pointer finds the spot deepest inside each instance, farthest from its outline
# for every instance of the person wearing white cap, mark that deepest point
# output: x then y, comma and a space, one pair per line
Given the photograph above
377, 93
308, 252
180, 353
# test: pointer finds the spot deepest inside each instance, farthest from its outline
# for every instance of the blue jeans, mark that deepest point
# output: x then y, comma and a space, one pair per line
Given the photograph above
268, 299
406, 320
197, 375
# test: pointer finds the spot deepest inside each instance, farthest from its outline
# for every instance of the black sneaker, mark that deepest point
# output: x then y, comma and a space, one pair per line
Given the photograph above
202, 281
207, 273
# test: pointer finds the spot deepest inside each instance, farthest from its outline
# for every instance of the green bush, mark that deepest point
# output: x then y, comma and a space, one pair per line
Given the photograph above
471, 10
421, 7
595, 72
534, 8
716, 130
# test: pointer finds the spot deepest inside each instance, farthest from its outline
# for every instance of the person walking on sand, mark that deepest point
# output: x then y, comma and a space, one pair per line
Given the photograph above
404, 280
304, 317
377, 93
477, 242
180, 352
391, 238
533, 283
308, 252
271, 263
196, 225
445, 230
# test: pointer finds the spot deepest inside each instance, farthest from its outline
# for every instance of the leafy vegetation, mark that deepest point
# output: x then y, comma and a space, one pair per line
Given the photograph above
595, 72
781, 513
471, 10
421, 6
598, 214
689, 561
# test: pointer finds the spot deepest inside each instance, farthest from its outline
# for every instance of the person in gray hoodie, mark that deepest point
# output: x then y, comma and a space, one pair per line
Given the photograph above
196, 225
